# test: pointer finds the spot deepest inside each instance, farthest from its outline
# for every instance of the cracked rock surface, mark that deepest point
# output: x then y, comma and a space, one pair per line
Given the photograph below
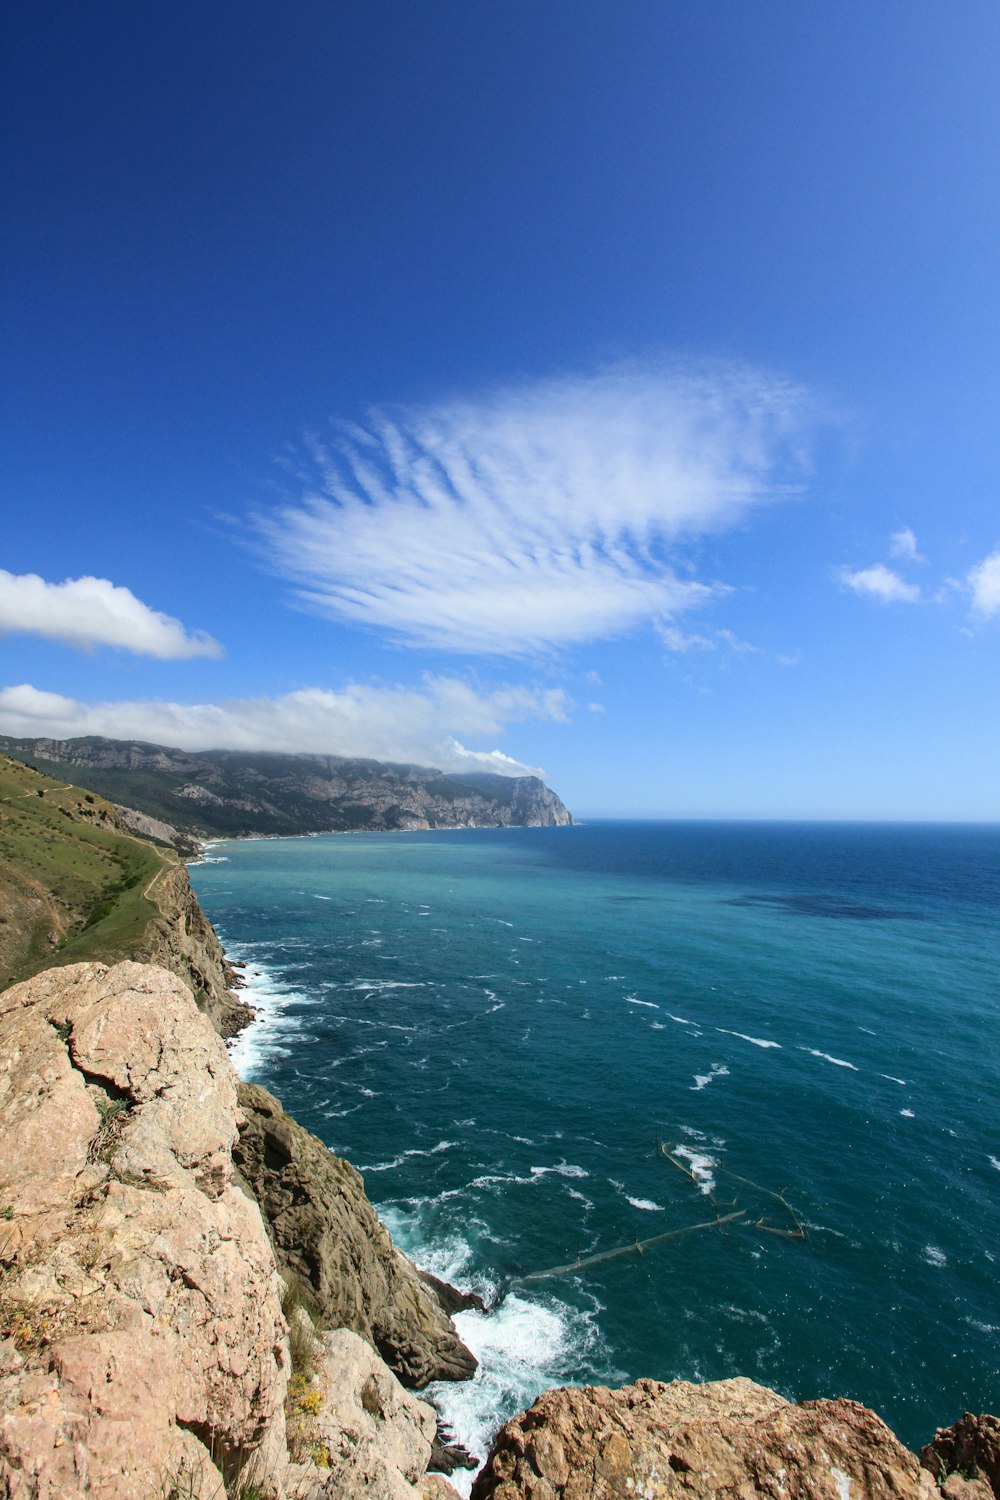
728, 1438
141, 1334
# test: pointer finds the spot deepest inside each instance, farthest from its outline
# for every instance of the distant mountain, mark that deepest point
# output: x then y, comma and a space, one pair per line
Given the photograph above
228, 793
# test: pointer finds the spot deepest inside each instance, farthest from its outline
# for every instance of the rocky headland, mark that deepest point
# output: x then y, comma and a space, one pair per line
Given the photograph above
197, 1298
181, 797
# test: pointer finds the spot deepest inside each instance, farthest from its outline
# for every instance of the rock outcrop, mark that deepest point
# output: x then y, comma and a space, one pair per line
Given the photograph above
966, 1455
182, 939
375, 1435
142, 1333
731, 1439
327, 1235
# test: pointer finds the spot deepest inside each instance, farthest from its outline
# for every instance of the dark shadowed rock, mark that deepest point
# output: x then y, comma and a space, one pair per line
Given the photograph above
326, 1233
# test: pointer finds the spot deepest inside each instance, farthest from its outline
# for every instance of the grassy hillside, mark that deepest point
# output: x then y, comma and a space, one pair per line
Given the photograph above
73, 884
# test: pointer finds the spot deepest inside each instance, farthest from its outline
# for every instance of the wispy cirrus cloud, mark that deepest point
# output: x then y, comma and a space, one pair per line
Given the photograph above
881, 583
424, 725
87, 612
536, 517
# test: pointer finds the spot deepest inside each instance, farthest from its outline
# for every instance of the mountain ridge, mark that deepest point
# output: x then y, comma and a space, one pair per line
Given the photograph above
233, 793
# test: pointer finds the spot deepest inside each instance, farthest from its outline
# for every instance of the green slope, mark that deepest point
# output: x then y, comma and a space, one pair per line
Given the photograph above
73, 884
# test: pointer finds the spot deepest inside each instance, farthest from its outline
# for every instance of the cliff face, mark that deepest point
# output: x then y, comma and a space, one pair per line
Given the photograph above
326, 1234
182, 939
143, 1348
225, 793
141, 1332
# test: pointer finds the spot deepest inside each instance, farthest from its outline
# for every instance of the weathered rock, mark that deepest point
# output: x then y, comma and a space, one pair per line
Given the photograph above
326, 1233
729, 1438
183, 940
375, 1436
965, 1458
142, 1332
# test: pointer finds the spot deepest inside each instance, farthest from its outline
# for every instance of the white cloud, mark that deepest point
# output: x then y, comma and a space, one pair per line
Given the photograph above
418, 725
682, 641
880, 582
536, 517
903, 544
984, 582
87, 612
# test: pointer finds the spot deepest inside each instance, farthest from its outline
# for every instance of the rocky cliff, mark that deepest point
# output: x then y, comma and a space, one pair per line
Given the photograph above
327, 1235
144, 1352
197, 1298
227, 793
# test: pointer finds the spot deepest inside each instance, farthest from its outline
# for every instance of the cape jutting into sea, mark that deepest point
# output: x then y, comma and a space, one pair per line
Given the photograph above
682, 1100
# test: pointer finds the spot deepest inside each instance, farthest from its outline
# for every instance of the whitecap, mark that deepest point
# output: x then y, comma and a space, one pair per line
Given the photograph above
702, 1080
523, 1347
995, 1162
907, 1114
755, 1041
838, 1062
388, 984
564, 1169
935, 1257
631, 1000
267, 1036
891, 1079
397, 1161
322, 898
701, 1166
646, 1204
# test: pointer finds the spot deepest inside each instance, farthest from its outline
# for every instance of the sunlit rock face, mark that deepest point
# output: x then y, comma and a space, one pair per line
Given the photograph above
729, 1438
141, 1320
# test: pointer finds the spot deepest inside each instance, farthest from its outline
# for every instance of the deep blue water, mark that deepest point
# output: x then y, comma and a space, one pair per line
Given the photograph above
499, 1027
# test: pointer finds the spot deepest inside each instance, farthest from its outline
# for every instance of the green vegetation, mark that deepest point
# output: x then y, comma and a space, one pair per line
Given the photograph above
73, 884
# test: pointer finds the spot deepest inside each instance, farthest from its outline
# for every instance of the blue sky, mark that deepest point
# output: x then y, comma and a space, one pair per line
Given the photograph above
608, 389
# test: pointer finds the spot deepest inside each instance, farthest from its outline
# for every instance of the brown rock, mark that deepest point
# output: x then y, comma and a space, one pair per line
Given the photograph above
141, 1336
729, 1438
326, 1233
964, 1456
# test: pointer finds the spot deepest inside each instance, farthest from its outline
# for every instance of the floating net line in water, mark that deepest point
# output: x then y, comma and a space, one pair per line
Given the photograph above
639, 1247
797, 1232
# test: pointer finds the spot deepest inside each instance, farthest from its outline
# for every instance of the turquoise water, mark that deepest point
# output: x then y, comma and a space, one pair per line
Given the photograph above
500, 1027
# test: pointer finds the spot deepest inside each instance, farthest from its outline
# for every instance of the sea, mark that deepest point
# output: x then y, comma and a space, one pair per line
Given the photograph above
677, 1099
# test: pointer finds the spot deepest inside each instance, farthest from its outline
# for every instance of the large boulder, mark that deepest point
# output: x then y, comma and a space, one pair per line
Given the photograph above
326, 1233
730, 1438
142, 1343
